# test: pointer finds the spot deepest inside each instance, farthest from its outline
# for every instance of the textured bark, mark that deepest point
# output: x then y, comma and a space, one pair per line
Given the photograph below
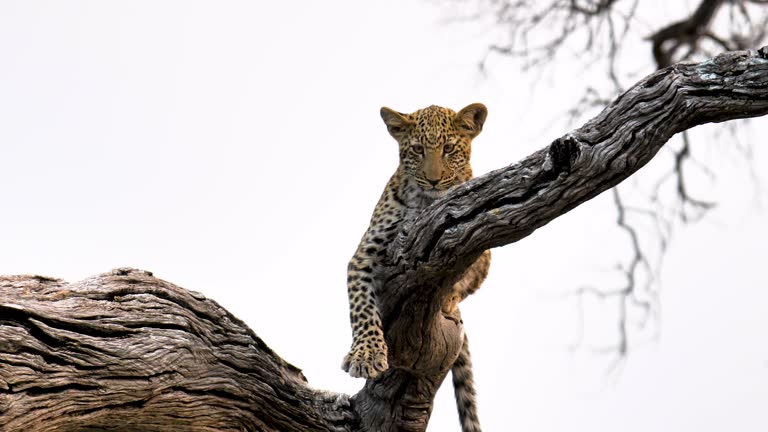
126, 351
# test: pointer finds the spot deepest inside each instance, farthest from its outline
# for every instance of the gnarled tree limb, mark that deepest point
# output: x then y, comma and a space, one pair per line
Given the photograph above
508, 204
125, 351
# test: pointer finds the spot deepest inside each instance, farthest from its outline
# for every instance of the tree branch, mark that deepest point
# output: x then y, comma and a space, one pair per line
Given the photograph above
125, 351
686, 32
509, 204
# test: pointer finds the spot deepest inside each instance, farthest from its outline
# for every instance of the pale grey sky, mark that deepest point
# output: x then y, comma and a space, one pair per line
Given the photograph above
235, 148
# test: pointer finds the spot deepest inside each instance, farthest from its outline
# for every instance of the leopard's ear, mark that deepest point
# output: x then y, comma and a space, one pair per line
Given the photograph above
397, 123
471, 118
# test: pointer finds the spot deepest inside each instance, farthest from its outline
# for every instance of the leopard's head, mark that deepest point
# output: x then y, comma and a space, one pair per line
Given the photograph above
435, 143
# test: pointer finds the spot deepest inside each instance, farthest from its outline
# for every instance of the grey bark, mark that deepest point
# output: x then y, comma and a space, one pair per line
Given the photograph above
125, 351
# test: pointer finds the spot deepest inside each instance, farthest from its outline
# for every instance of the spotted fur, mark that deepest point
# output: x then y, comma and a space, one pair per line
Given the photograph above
435, 146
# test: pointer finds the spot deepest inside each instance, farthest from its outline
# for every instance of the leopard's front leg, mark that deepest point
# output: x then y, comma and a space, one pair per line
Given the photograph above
368, 356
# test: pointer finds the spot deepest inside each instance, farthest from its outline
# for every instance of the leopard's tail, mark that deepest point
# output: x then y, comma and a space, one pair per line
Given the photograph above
464, 389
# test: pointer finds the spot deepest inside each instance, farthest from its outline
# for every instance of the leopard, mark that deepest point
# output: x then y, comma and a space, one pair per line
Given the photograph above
434, 151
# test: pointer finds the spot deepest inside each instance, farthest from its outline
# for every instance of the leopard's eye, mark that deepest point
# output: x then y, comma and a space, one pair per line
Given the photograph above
448, 148
418, 149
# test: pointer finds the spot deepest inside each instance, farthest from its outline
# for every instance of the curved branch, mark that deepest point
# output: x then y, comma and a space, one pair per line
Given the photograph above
508, 204
126, 351
685, 32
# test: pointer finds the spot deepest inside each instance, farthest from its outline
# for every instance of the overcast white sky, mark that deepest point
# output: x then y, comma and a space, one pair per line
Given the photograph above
235, 148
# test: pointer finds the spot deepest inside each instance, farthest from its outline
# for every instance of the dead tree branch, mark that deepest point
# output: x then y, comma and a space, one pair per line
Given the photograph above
127, 352
683, 34
506, 205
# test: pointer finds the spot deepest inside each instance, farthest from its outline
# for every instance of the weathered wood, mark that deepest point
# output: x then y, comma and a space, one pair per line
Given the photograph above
509, 204
126, 351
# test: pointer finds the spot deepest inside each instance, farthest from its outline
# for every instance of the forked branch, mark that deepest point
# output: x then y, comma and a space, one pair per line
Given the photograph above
125, 351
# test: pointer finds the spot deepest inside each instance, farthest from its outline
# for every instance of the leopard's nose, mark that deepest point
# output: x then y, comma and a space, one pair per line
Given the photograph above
433, 182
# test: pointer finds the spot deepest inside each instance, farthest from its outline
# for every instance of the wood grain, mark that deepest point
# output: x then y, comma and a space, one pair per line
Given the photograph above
125, 351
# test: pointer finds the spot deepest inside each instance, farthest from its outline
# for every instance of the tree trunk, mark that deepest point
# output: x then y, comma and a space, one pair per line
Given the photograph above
125, 351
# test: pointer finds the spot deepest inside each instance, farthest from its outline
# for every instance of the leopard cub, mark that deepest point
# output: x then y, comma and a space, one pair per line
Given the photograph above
435, 146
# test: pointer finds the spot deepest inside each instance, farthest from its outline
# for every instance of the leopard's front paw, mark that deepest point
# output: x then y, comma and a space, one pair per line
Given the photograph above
366, 360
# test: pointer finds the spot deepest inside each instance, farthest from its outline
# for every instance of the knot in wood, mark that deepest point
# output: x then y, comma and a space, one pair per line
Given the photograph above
562, 153
763, 52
